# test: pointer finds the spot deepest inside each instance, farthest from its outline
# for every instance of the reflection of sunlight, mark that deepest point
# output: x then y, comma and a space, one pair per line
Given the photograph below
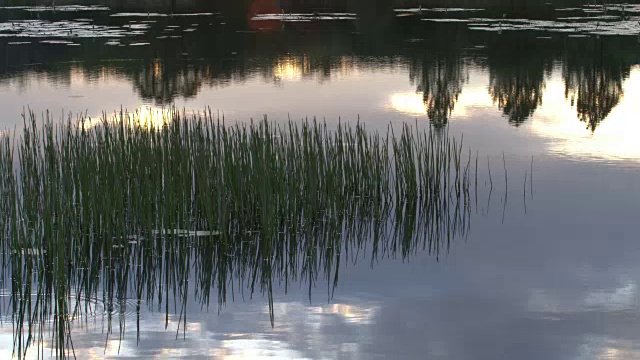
408, 103
614, 138
78, 76
145, 116
291, 68
157, 68
298, 67
107, 73
149, 117
347, 66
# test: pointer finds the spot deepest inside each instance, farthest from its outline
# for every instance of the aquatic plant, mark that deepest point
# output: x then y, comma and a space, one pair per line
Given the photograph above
109, 210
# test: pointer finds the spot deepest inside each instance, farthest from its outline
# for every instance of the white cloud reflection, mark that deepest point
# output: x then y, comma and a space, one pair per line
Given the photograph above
471, 99
614, 139
301, 331
555, 120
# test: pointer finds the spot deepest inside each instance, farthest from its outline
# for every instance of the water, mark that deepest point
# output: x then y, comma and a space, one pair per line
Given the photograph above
550, 273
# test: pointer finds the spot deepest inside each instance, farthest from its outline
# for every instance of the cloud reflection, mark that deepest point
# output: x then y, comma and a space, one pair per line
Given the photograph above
555, 119
611, 141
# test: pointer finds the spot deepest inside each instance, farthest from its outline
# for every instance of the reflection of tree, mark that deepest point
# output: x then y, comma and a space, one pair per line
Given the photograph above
593, 83
516, 79
441, 85
517, 94
440, 77
163, 82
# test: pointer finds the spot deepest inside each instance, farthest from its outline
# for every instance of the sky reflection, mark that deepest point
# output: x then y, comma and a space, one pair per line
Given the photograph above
610, 141
559, 281
565, 113
555, 120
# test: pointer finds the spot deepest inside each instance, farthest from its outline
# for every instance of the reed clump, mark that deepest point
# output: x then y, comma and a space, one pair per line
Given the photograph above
118, 208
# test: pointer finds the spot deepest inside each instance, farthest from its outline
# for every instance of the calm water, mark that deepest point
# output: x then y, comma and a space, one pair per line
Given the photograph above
550, 274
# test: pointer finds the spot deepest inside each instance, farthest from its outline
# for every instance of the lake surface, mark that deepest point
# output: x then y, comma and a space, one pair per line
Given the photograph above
550, 264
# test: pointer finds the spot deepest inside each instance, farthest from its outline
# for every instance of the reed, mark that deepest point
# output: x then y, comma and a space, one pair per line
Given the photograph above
103, 211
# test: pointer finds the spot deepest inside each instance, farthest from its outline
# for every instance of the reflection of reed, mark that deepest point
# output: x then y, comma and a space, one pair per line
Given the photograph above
83, 212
